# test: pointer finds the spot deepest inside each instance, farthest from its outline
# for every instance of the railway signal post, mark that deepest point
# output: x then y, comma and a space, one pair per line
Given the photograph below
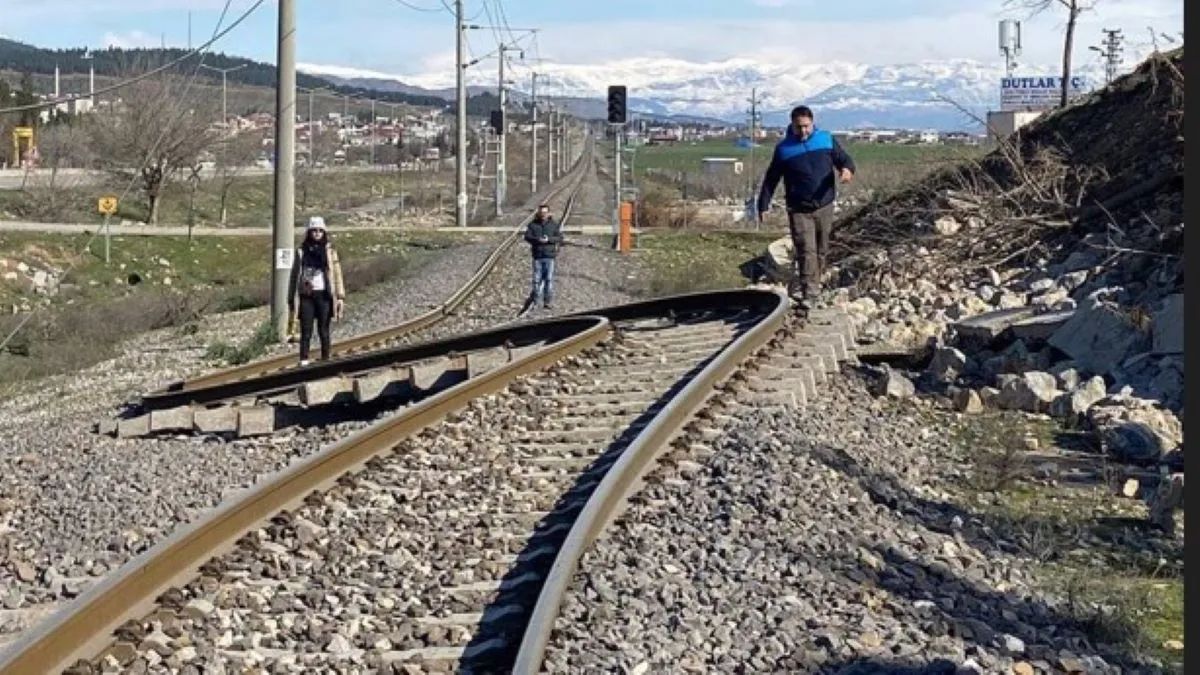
616, 120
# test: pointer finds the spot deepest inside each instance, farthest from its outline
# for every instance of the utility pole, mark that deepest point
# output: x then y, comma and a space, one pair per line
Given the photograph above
372, 136
1111, 50
532, 134
224, 72
550, 143
460, 151
311, 130
501, 171
753, 138
284, 238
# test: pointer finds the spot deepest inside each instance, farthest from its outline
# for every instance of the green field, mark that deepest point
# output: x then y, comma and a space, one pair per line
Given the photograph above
879, 166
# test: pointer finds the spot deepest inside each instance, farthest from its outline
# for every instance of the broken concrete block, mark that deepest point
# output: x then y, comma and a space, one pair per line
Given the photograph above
1098, 337
256, 421
1030, 392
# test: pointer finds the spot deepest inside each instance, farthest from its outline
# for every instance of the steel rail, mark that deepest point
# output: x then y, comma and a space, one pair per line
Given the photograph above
84, 627
625, 476
376, 339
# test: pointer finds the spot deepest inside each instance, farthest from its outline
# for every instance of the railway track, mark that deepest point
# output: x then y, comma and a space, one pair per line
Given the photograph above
454, 545
562, 195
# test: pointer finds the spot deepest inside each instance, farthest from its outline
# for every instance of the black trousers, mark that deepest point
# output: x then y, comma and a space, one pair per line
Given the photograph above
319, 308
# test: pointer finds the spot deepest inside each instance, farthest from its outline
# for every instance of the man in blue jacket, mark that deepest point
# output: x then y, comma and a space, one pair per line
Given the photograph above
806, 160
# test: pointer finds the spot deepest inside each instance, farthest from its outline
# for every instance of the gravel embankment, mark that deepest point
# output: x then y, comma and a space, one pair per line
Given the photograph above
74, 505
814, 541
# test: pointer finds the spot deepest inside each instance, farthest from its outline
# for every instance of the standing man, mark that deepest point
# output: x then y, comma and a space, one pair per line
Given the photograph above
806, 159
544, 234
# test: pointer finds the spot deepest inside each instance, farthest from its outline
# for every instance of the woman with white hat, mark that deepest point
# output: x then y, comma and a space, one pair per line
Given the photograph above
317, 280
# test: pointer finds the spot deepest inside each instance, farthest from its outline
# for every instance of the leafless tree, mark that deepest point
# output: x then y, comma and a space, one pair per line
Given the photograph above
325, 144
157, 128
1074, 8
60, 146
234, 153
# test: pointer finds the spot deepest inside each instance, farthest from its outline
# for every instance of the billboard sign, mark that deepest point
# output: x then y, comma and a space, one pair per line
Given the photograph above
1037, 93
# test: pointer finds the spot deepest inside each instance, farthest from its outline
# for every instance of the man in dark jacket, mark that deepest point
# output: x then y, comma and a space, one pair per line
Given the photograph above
544, 234
806, 160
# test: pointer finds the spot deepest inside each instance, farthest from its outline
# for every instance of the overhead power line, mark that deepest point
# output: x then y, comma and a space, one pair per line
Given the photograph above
148, 74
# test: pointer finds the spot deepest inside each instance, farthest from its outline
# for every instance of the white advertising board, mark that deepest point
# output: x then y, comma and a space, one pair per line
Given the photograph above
1037, 93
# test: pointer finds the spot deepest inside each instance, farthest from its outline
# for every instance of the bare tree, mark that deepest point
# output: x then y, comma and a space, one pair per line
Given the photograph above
234, 153
61, 145
325, 143
156, 128
1074, 9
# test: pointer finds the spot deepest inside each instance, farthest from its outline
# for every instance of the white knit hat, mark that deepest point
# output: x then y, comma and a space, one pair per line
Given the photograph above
317, 223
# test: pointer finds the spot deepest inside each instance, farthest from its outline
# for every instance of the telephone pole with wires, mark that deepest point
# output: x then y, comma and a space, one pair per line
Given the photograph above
533, 133
754, 102
460, 107
1110, 50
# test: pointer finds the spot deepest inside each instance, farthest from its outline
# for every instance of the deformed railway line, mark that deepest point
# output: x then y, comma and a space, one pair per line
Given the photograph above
453, 526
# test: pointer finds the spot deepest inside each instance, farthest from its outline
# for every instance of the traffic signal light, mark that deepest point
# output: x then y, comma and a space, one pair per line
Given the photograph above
616, 104
497, 121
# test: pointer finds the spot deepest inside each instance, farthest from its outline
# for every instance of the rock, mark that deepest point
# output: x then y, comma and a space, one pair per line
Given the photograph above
198, 608
989, 397
1040, 285
1031, 392
1130, 488
1167, 384
968, 401
1081, 261
1173, 645
157, 642
1012, 644
1168, 326
1022, 668
1134, 442
1134, 429
24, 571
946, 225
1076, 403
1098, 337
894, 385
947, 364
1072, 280
1039, 328
338, 645
1068, 379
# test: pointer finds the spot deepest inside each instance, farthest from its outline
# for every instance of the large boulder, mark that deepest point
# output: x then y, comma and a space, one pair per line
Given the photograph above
1077, 402
1134, 429
1029, 392
894, 385
1099, 337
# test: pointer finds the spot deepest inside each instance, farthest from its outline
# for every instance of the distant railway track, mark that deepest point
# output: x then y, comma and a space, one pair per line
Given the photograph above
562, 195
493, 511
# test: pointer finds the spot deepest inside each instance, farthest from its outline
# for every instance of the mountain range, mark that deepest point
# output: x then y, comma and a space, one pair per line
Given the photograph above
946, 95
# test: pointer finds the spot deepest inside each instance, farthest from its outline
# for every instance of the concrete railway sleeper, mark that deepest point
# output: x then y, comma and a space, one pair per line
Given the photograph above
452, 548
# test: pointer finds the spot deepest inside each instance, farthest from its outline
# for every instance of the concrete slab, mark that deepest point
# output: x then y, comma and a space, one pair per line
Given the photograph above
256, 421
221, 420
134, 426
171, 419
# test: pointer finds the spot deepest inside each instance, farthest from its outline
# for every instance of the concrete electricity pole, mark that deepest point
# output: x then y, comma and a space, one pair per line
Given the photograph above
460, 152
533, 134
285, 160
550, 143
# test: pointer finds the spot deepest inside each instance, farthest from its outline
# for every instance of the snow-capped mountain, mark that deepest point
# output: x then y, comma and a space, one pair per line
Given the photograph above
928, 94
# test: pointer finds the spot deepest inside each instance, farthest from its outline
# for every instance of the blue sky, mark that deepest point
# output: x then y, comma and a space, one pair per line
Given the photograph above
384, 35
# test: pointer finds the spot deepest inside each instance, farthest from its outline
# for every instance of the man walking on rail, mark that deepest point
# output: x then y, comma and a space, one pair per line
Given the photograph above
806, 160
544, 234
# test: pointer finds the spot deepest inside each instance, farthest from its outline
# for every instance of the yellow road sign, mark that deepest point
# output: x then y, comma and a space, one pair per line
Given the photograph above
107, 205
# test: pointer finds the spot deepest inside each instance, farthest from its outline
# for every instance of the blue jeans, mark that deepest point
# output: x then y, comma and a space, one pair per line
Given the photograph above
543, 280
